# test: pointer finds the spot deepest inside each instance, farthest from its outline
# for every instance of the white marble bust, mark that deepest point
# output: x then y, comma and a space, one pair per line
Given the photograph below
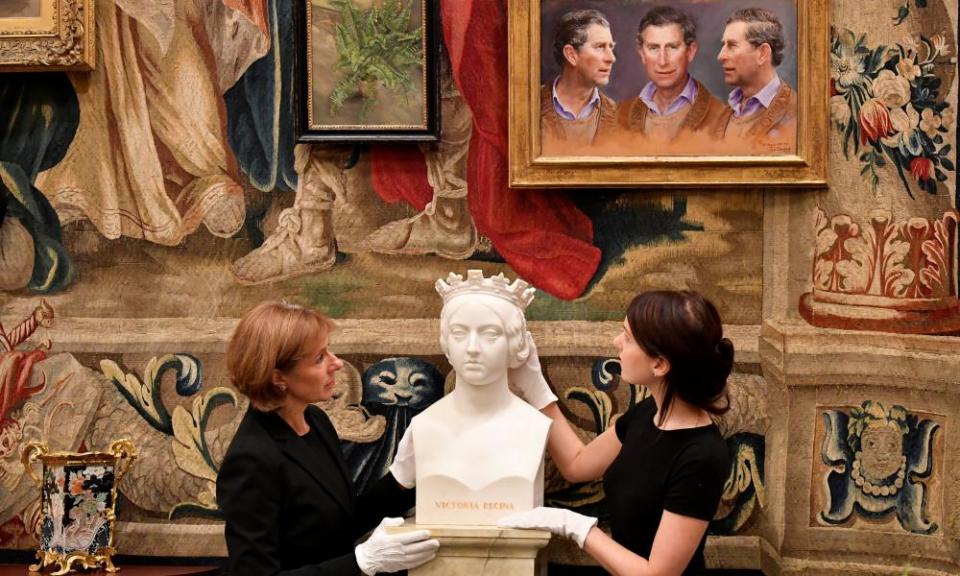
479, 450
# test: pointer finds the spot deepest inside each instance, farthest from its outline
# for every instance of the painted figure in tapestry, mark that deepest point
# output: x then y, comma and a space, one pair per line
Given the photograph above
155, 102
879, 462
762, 117
39, 114
574, 112
673, 107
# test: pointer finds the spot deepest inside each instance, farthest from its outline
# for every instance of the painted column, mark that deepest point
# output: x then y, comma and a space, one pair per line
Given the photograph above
885, 252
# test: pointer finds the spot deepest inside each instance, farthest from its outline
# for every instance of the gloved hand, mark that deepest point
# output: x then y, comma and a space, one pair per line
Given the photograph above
529, 381
404, 467
384, 552
561, 522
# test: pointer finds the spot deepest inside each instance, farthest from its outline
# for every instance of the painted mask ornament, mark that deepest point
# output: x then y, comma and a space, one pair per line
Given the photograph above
397, 389
880, 460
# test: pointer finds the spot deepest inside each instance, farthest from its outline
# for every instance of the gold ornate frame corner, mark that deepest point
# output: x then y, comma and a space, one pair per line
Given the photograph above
62, 37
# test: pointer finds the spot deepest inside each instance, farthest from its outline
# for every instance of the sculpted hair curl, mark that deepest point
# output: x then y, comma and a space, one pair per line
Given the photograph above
685, 328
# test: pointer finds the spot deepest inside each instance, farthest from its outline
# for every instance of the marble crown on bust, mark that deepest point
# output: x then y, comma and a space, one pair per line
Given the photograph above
479, 450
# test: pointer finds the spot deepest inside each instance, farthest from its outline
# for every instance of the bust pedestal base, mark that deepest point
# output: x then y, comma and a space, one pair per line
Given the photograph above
481, 550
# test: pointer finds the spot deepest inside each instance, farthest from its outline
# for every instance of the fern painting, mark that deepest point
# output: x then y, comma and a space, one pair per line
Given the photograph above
369, 71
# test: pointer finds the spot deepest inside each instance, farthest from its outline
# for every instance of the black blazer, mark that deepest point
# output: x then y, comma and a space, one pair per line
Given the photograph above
291, 509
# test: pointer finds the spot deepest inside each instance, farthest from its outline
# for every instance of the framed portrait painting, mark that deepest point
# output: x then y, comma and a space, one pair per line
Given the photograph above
690, 93
367, 70
47, 35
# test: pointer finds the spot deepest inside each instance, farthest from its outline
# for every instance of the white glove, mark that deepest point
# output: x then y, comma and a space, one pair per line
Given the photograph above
404, 467
557, 520
384, 552
529, 381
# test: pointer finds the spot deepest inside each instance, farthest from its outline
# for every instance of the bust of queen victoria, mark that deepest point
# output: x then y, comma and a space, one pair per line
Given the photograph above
478, 451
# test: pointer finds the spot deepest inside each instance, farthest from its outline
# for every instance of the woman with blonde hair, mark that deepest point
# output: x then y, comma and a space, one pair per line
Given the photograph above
284, 490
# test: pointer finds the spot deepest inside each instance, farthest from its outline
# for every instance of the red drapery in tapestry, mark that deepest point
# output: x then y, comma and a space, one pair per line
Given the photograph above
541, 234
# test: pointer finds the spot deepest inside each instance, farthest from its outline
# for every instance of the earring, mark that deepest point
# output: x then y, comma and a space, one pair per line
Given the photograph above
653, 373
282, 387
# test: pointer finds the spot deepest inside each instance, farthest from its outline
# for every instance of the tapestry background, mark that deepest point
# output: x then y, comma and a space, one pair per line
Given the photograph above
148, 204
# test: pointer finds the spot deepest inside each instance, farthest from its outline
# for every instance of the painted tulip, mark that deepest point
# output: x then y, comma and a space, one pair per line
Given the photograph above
921, 168
874, 121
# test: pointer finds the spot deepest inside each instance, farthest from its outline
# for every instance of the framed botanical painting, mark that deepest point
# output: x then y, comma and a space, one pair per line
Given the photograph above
690, 93
46, 35
367, 70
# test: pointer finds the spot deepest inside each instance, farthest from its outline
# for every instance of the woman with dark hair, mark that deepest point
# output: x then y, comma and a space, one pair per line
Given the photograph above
664, 461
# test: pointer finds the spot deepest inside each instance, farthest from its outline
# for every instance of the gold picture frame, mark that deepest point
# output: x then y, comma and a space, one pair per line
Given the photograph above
47, 35
806, 166
355, 90
78, 498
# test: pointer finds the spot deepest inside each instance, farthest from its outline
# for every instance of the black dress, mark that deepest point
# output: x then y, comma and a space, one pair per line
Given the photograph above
289, 502
682, 471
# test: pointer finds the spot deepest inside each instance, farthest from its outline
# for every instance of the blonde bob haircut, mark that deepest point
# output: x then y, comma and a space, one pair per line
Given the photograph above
272, 336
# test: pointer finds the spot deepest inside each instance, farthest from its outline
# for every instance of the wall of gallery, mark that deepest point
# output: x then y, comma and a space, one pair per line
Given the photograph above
151, 202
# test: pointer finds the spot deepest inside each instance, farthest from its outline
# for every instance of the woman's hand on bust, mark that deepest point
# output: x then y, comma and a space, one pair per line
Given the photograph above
559, 521
528, 380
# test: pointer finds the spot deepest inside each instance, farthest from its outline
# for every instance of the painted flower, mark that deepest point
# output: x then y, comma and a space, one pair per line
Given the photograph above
76, 485
847, 69
940, 45
10, 437
874, 121
840, 111
904, 120
929, 122
908, 43
908, 69
908, 143
947, 117
921, 168
893, 90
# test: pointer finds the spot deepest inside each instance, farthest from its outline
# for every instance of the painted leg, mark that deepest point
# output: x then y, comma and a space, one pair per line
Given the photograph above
303, 241
445, 226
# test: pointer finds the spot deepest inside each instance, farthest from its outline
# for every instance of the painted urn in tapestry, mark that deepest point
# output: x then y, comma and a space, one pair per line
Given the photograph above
78, 494
885, 256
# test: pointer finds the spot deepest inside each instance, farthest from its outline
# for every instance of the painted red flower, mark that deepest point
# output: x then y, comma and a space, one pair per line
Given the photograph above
921, 168
76, 485
874, 121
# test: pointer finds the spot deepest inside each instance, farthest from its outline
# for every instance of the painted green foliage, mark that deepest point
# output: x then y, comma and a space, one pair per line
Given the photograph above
376, 47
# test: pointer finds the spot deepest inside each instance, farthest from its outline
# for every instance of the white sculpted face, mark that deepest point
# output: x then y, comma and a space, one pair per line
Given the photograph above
479, 338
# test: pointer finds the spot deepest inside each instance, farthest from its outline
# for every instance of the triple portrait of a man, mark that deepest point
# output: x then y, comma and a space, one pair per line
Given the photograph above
739, 103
